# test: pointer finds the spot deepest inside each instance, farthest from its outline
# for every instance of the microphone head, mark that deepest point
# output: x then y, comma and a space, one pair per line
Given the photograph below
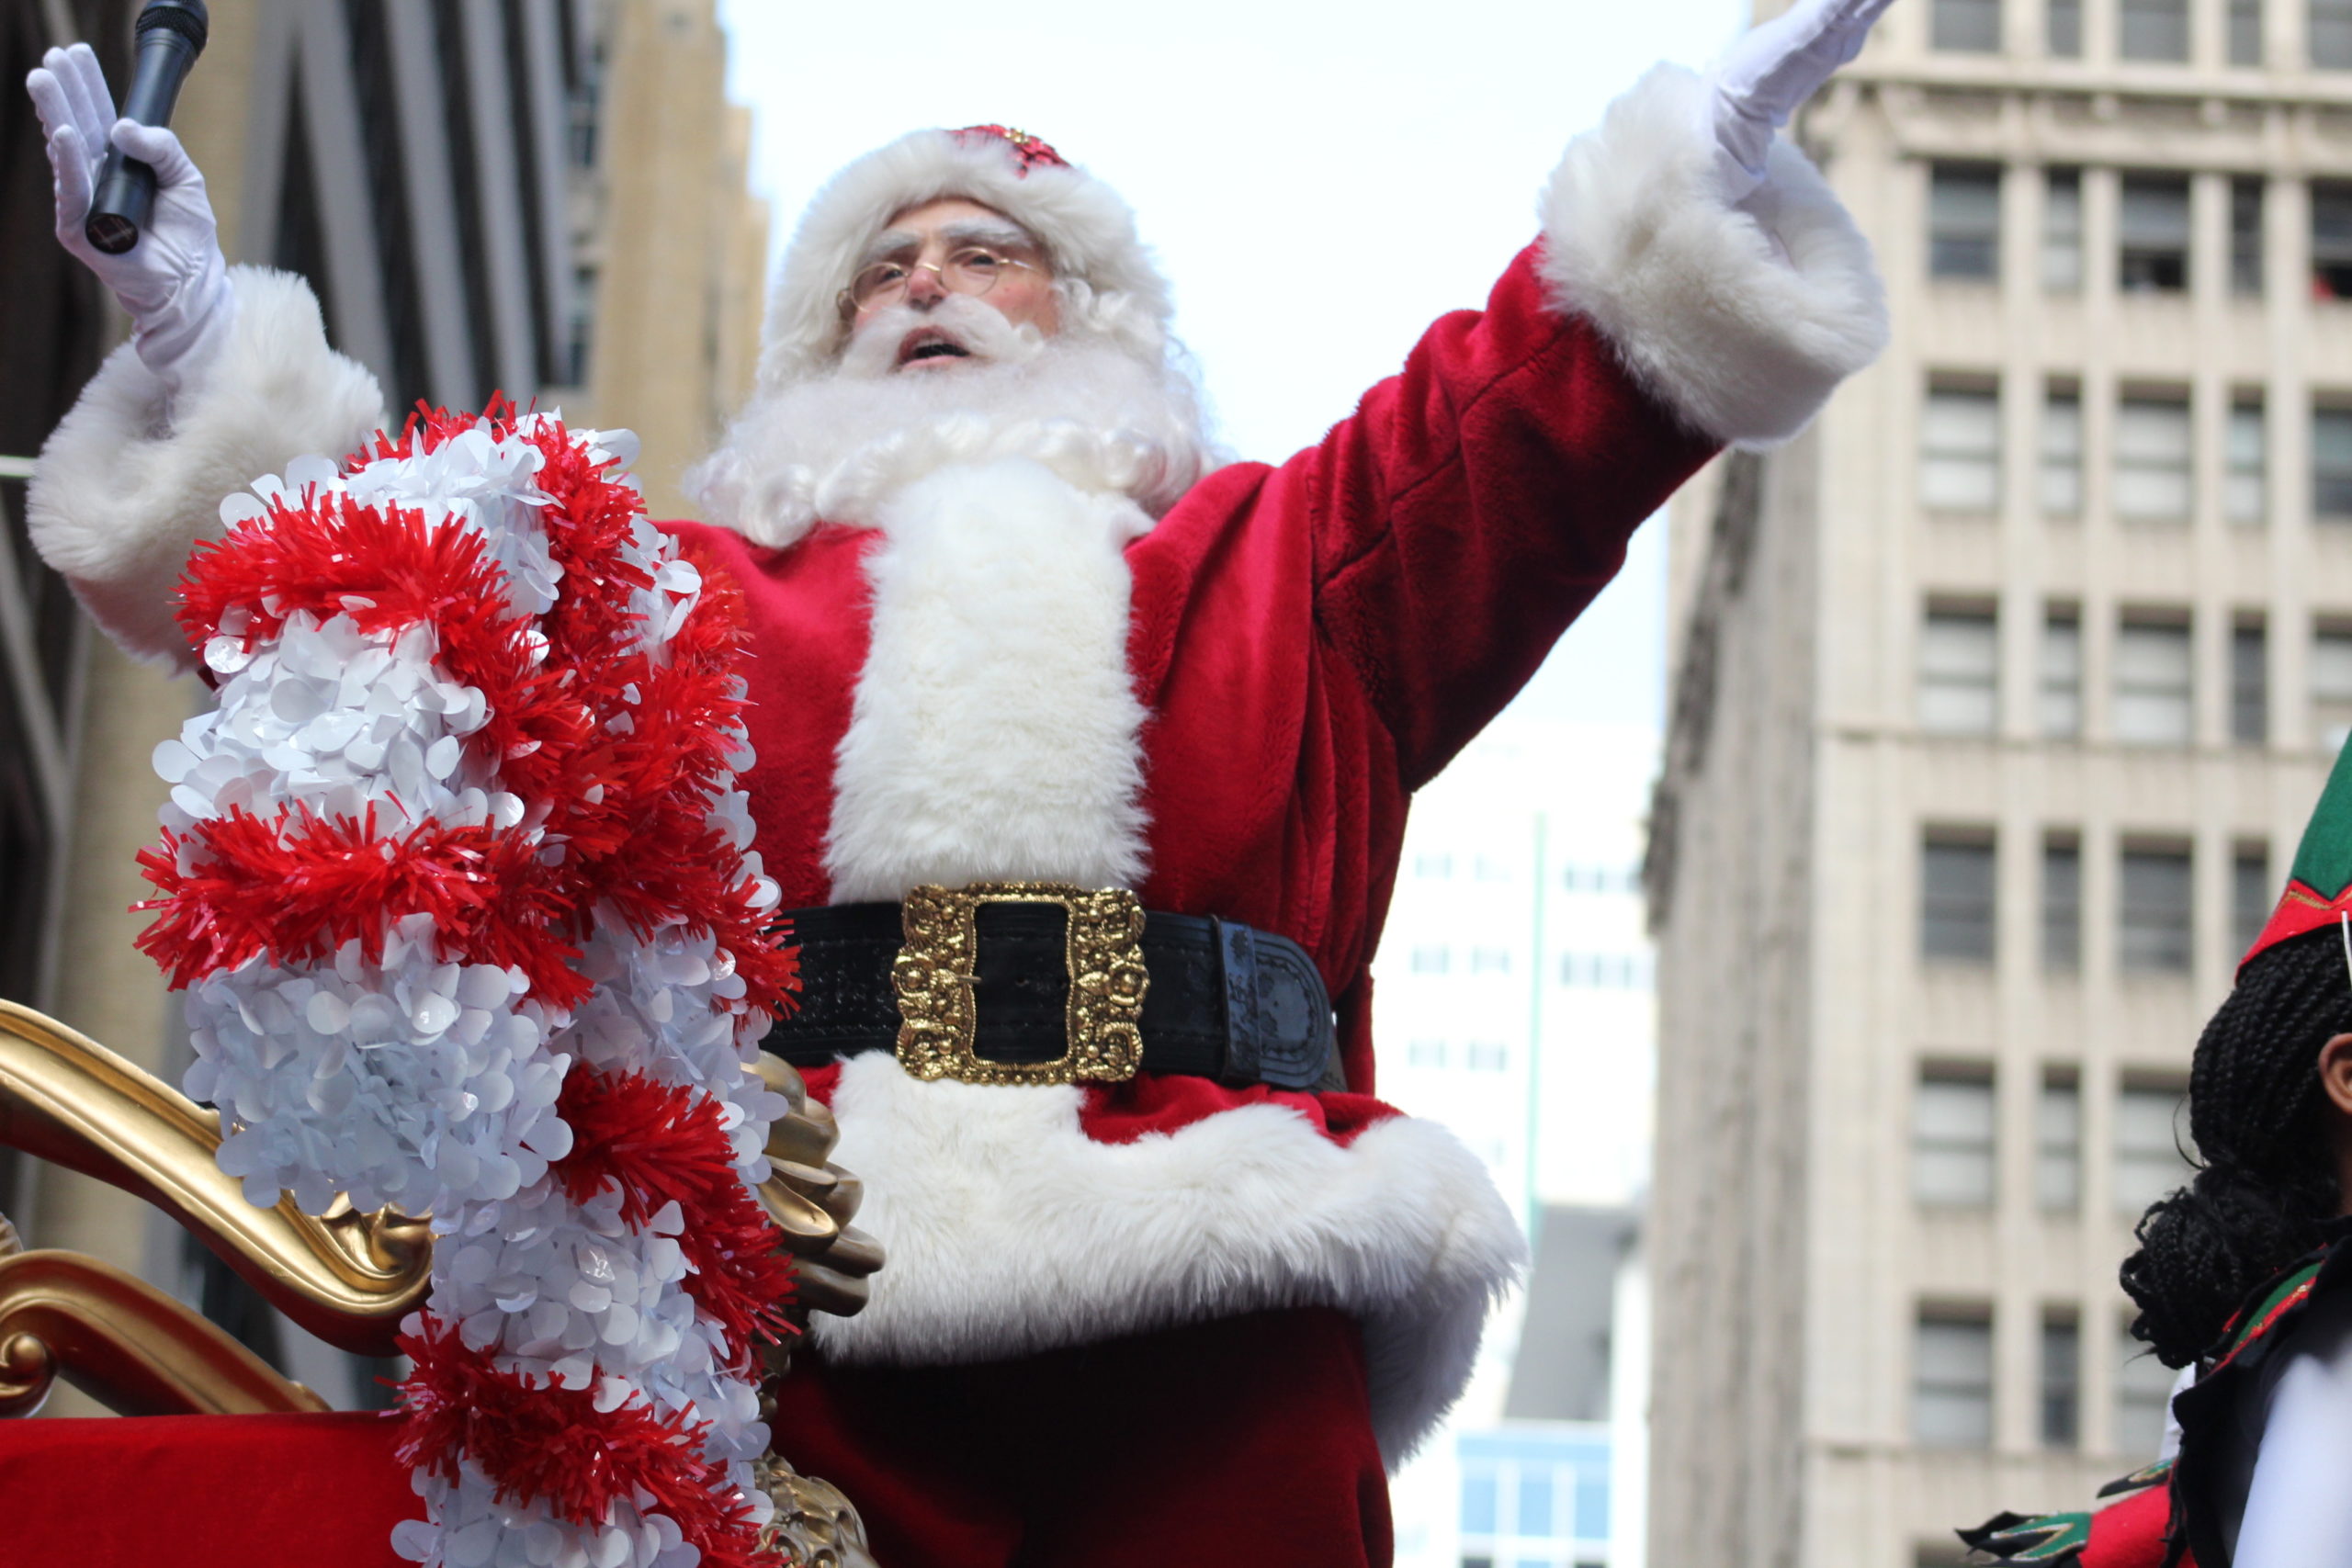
186, 18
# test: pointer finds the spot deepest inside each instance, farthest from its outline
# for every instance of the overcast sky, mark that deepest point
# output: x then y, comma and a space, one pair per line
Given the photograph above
1319, 182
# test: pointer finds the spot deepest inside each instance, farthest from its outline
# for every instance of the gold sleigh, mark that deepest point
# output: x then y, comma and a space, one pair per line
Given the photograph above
347, 1277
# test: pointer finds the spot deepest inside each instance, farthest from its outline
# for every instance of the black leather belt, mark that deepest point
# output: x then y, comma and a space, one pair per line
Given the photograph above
1226, 1001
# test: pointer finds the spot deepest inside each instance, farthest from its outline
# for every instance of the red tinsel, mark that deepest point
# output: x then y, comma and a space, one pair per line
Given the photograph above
663, 1143
625, 784
541, 1441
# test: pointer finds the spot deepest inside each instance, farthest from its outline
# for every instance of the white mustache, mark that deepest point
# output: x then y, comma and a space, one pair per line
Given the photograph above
977, 326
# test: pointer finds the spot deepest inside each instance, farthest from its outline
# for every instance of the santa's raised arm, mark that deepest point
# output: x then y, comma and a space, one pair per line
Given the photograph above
1034, 673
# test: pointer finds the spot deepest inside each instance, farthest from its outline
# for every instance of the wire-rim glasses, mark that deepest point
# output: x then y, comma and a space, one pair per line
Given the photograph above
968, 269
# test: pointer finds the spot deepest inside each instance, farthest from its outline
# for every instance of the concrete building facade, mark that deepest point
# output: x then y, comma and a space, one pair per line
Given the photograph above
2000, 698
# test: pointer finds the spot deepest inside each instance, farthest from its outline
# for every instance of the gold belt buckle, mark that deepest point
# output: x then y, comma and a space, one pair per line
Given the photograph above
934, 971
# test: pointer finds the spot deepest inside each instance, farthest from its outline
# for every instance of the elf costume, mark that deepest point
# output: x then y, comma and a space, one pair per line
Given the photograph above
2272, 1388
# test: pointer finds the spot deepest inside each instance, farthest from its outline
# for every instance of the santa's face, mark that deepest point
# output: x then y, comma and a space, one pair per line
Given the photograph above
927, 316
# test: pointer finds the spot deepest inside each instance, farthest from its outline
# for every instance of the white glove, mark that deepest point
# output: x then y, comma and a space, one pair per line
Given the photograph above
173, 282
1774, 67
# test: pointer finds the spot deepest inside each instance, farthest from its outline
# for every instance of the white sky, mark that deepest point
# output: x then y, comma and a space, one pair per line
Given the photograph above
1319, 182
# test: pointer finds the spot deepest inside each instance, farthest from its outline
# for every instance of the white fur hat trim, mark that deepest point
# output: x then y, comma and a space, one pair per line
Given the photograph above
1087, 232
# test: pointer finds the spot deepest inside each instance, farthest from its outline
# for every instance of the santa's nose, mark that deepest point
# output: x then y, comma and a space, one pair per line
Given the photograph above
924, 287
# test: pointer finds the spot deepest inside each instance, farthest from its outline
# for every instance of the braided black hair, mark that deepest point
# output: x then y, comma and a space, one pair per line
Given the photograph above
2267, 1186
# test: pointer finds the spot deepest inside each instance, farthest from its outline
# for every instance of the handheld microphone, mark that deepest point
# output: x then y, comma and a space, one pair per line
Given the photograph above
171, 34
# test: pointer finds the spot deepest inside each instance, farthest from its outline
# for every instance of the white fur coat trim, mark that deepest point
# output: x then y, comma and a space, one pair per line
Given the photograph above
125, 486
1009, 1231
1087, 229
1745, 342
995, 731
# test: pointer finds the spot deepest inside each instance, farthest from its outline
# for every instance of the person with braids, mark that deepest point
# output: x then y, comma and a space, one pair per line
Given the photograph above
2243, 1277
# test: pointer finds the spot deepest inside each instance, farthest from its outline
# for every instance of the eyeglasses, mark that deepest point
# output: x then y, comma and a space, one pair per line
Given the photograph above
973, 269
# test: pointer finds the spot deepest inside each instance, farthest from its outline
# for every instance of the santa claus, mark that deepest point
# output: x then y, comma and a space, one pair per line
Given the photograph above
1086, 756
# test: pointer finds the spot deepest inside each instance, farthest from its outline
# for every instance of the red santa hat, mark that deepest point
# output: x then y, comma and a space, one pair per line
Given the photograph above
1089, 233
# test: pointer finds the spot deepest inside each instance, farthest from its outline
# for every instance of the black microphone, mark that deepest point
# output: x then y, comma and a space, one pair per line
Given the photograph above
171, 34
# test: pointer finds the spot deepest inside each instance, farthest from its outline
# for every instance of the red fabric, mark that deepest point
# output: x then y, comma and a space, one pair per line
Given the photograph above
202, 1492
1245, 1442
2129, 1532
1313, 641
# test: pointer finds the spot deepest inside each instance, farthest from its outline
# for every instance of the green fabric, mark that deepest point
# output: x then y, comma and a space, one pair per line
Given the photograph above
2323, 859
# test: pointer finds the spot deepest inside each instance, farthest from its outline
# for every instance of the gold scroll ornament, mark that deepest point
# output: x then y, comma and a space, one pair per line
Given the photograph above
346, 1277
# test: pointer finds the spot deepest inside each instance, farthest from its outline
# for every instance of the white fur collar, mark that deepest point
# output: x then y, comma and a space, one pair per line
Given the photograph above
995, 732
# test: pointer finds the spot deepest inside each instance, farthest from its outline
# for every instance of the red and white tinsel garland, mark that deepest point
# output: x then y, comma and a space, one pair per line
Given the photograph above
463, 894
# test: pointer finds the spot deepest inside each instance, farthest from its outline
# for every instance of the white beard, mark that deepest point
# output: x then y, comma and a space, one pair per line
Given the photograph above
836, 446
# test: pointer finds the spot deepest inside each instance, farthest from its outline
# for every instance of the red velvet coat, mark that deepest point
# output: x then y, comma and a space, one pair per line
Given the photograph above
1313, 641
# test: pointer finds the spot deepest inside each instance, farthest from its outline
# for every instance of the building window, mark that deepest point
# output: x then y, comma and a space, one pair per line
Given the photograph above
2148, 1160
2152, 481
1433, 866
2063, 22
2245, 32
1952, 1379
2331, 239
1431, 960
2142, 1391
1488, 1056
2252, 897
2062, 905
1964, 220
1951, 1140
2332, 464
1491, 960
2249, 683
2155, 233
2329, 28
1621, 971
2062, 454
2245, 236
1956, 900
2244, 486
2152, 684
2153, 29
1970, 27
2062, 675
2331, 680
2154, 922
1535, 1500
1960, 450
1959, 673
1491, 868
1425, 1054
2058, 1143
2062, 1379
2061, 229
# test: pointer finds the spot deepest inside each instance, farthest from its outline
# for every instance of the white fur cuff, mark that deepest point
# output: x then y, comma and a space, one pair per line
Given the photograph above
1747, 343
127, 485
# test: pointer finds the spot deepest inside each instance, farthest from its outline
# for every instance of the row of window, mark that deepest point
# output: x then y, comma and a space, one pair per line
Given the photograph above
1533, 1511
1490, 868
1611, 971
2152, 677
1954, 1162
2153, 31
2153, 237
1952, 1391
1478, 1055
2156, 901
2152, 461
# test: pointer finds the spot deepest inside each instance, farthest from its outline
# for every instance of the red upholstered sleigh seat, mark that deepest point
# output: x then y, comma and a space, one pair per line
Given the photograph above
286, 1491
